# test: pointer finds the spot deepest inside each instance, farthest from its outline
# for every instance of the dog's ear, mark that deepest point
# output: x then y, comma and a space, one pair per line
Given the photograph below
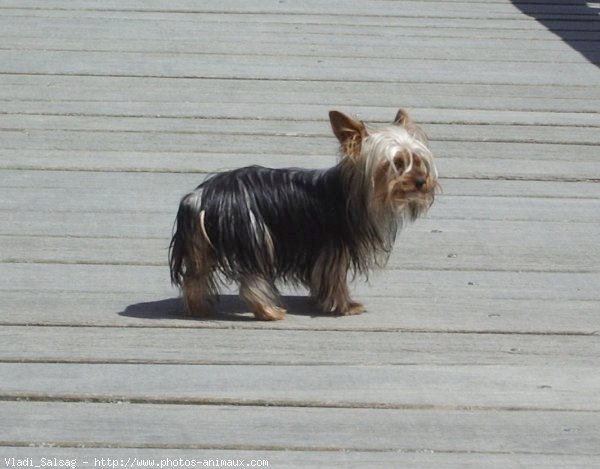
403, 119
349, 132
346, 129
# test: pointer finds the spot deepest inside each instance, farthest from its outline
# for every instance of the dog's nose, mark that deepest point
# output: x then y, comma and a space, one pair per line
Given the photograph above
419, 182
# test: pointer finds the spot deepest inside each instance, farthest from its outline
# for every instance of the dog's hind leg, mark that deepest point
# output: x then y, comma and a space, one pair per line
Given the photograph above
194, 291
198, 280
262, 298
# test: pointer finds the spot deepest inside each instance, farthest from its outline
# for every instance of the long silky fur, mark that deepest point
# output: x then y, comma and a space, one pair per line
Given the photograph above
276, 223
296, 225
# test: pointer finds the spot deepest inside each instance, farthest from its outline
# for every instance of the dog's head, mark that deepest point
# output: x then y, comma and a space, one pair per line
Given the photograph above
395, 162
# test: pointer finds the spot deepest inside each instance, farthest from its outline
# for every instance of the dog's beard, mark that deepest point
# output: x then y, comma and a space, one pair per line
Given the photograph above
412, 206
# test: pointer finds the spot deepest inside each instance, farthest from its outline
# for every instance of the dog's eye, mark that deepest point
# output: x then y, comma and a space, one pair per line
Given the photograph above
399, 164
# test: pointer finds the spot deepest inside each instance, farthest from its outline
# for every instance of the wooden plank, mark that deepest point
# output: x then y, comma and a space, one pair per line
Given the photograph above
294, 44
40, 114
558, 21
525, 387
452, 8
457, 44
490, 161
290, 68
297, 92
175, 27
378, 8
235, 143
498, 246
448, 207
158, 224
170, 187
161, 308
435, 284
209, 135
581, 132
231, 346
300, 429
113, 94
294, 459
472, 360
368, 27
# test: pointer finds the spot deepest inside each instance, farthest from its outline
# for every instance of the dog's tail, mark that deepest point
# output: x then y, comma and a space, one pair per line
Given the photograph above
188, 234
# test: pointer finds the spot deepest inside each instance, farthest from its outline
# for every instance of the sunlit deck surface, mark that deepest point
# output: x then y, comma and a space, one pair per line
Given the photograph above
480, 346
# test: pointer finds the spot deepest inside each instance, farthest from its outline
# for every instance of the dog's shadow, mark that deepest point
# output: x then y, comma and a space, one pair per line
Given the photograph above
226, 308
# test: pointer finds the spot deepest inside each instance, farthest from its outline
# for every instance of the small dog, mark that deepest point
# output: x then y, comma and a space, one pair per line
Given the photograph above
257, 226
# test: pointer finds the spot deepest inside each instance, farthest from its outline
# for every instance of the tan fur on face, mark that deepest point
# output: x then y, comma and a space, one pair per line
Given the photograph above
390, 176
399, 175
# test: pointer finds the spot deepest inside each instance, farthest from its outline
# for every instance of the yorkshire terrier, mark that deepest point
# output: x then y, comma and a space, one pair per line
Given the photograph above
257, 226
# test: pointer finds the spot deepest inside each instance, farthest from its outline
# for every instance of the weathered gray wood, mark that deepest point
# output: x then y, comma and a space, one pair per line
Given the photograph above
544, 388
451, 8
444, 124
456, 207
493, 285
480, 341
489, 160
412, 312
289, 36
112, 94
176, 27
291, 68
294, 459
204, 427
322, 46
498, 246
160, 193
249, 7
203, 146
364, 23
169, 186
289, 347
564, 134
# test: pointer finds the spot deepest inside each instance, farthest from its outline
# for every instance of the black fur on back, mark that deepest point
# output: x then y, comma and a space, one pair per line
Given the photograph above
276, 223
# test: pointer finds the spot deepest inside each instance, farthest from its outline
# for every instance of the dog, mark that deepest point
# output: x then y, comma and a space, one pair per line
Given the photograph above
259, 226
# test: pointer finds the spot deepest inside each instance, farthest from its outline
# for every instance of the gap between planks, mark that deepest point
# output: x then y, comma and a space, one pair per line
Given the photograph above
54, 262
289, 403
279, 448
199, 324
184, 117
290, 79
210, 172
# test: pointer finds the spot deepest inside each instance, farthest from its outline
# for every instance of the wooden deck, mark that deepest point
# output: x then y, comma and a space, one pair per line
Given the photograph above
481, 345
